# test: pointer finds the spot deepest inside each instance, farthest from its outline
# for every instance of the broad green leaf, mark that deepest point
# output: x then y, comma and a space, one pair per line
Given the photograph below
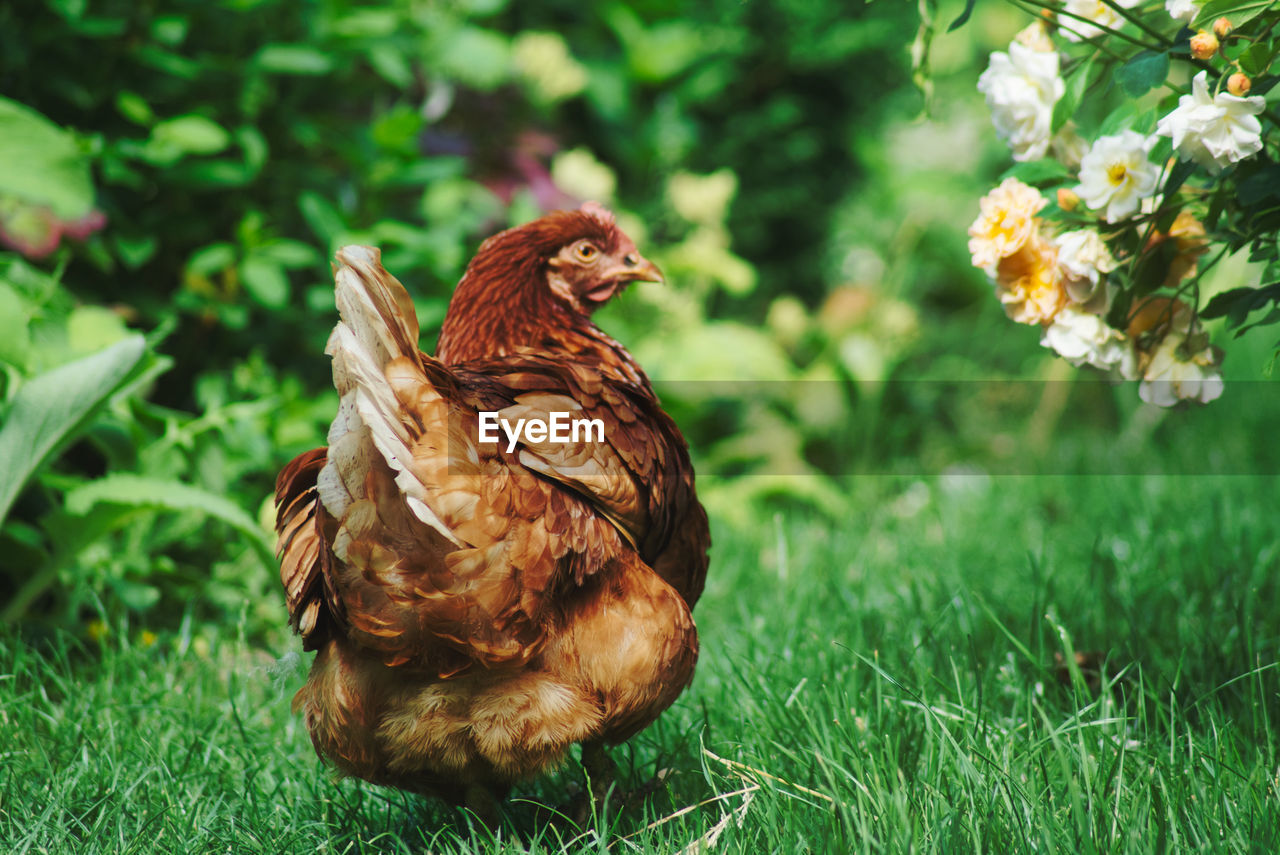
479, 57
321, 216
170, 29
391, 62
135, 108
94, 328
1262, 184
254, 146
41, 164
137, 491
293, 59
290, 254
1037, 172
1143, 72
265, 281
1266, 320
211, 259
1254, 59
1236, 11
15, 337
191, 135
1222, 303
667, 49
219, 173
51, 406
367, 24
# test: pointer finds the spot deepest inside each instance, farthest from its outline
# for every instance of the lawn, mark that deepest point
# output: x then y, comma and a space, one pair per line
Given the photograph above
884, 685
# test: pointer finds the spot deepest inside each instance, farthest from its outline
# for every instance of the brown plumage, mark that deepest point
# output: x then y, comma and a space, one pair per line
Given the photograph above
477, 610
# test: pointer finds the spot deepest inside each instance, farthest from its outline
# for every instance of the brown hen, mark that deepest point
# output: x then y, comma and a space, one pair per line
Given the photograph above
480, 607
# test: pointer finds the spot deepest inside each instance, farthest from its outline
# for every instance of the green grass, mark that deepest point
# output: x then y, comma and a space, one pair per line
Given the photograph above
882, 686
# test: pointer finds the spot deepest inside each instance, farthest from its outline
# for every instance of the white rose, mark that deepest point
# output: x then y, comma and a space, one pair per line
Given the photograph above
1085, 259
1082, 338
1214, 131
1173, 376
1182, 10
1115, 176
1093, 13
1020, 88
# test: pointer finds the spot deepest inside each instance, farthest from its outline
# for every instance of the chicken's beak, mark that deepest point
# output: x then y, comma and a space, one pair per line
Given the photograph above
631, 267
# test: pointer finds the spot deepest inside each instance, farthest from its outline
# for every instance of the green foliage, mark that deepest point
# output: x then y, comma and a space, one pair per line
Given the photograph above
41, 164
50, 406
233, 146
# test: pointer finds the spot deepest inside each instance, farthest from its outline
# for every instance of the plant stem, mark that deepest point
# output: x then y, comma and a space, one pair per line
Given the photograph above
1043, 4
1138, 22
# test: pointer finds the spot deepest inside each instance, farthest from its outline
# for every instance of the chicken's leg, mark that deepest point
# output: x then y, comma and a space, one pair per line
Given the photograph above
601, 773
480, 800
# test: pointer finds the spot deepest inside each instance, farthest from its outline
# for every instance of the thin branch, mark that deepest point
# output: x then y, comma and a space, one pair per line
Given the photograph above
1137, 21
1052, 7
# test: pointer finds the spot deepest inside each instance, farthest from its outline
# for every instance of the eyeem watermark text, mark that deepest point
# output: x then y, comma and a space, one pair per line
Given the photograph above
557, 427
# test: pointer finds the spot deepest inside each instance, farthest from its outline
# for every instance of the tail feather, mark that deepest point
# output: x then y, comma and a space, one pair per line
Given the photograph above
379, 327
375, 305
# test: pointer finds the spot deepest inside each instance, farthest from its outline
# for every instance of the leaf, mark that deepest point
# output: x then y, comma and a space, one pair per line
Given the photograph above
1222, 303
190, 135
40, 163
293, 59
1145, 71
211, 259
390, 62
135, 108
1266, 320
1180, 172
290, 254
52, 406
254, 146
1116, 121
265, 281
134, 250
1236, 11
321, 216
1065, 107
1037, 172
1255, 58
1262, 184
94, 328
15, 335
963, 17
476, 56
137, 491
1237, 304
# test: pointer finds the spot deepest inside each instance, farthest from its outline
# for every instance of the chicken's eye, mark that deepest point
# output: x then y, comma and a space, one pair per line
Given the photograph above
585, 251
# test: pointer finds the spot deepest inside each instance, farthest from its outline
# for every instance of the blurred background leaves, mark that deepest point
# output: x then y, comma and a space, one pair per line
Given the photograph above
175, 176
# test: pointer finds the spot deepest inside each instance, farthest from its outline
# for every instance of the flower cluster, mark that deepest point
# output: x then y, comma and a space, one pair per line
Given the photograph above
1102, 244
1059, 282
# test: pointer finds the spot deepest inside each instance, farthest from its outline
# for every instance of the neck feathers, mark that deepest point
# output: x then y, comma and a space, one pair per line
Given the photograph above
503, 306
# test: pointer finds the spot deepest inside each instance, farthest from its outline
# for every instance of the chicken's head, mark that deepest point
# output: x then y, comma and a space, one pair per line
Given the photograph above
552, 273
595, 259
